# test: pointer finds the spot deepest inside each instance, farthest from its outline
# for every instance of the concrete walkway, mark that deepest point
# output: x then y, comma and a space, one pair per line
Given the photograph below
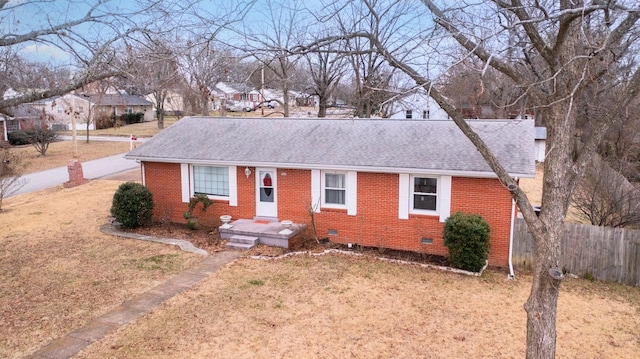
134, 308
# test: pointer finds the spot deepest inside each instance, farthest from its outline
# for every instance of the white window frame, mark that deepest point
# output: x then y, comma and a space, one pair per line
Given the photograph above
213, 196
351, 191
412, 194
186, 179
406, 196
324, 188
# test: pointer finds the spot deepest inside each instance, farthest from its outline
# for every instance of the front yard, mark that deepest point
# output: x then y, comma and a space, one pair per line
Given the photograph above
57, 270
337, 306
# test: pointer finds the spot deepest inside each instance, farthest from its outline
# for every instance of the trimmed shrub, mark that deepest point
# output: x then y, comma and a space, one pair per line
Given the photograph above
130, 118
467, 237
18, 138
132, 205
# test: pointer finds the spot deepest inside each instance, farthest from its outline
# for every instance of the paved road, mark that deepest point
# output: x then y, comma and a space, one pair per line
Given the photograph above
103, 138
91, 169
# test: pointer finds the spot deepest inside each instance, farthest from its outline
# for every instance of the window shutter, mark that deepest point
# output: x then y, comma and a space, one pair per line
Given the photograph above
233, 186
316, 189
184, 182
352, 193
403, 196
444, 197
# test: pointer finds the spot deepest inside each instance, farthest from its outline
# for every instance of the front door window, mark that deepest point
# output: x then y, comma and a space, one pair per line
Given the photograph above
266, 187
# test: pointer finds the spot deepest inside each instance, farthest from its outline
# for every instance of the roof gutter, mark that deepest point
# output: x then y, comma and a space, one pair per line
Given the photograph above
328, 167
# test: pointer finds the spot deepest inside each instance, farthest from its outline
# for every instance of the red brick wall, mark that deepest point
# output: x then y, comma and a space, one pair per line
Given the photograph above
376, 223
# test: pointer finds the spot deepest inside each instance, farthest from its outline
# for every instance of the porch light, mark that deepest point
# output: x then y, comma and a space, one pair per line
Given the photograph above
247, 172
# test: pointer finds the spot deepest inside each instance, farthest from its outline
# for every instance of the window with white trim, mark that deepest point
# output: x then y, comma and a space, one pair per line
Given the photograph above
424, 194
210, 180
334, 189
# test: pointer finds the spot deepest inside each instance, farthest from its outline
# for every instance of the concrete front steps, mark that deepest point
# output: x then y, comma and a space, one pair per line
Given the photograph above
247, 233
242, 242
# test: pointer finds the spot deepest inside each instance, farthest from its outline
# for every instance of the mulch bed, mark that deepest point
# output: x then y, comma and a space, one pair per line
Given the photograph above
208, 238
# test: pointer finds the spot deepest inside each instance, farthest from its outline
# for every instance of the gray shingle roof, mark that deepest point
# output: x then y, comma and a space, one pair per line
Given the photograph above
115, 100
437, 147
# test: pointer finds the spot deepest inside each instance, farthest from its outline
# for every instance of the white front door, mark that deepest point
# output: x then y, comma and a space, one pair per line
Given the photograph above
266, 192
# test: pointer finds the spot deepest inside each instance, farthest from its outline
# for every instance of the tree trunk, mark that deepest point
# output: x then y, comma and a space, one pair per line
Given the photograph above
285, 98
542, 304
322, 107
541, 307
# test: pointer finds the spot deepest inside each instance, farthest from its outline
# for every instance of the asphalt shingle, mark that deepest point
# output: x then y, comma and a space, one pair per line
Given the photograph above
360, 144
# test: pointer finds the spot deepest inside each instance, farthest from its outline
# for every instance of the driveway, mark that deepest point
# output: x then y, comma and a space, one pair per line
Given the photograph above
109, 167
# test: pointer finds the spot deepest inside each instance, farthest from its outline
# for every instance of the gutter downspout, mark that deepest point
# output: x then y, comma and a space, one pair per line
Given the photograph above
513, 215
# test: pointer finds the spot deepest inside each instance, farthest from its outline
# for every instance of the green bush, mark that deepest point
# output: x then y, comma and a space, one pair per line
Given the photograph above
18, 138
130, 118
466, 236
132, 205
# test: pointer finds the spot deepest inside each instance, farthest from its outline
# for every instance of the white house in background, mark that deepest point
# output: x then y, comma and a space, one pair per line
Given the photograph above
87, 109
227, 93
416, 105
540, 143
173, 103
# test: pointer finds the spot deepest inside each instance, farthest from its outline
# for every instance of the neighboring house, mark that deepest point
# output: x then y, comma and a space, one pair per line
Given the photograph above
227, 93
86, 109
415, 105
305, 99
173, 103
18, 118
380, 183
540, 143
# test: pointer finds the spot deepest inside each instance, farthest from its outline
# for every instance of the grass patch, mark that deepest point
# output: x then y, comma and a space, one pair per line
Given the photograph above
162, 262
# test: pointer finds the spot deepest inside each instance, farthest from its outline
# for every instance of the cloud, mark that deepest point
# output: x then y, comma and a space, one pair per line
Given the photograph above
44, 53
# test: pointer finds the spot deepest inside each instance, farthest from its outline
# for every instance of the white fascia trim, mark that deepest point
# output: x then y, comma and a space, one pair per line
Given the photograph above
329, 167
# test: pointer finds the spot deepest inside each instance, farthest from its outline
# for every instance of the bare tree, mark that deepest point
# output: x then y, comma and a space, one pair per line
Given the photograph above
480, 92
606, 198
564, 48
327, 67
87, 37
270, 44
372, 77
152, 68
206, 63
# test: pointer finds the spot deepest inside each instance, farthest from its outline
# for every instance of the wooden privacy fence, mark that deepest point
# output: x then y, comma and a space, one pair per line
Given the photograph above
608, 254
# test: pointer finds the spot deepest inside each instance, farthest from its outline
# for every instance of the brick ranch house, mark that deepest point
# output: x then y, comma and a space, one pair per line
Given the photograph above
379, 183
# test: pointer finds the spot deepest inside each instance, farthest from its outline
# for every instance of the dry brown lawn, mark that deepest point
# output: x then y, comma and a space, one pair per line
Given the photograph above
57, 270
338, 306
533, 186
